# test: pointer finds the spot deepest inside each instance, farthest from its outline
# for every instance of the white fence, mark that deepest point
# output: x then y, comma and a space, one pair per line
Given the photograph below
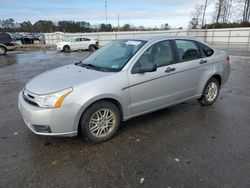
237, 38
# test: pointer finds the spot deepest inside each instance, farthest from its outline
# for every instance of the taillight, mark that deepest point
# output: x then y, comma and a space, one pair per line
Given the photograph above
12, 43
227, 59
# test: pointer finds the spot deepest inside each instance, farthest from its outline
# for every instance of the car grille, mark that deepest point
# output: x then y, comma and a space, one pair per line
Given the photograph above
29, 97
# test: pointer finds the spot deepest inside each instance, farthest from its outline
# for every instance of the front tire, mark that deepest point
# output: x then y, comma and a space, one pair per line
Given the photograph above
3, 50
210, 92
100, 121
66, 48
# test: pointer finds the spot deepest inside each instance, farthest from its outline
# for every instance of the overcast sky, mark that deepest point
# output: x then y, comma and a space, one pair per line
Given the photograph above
136, 12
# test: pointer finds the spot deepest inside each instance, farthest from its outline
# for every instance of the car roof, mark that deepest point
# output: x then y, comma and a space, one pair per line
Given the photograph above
154, 37
4, 33
79, 38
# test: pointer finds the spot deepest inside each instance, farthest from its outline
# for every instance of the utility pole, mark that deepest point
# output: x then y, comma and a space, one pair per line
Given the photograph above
118, 28
106, 11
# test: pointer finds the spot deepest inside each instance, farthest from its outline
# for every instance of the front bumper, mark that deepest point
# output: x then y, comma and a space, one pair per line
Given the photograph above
49, 122
59, 48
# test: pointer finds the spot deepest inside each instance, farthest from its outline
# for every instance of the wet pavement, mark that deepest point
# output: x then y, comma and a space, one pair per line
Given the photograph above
187, 145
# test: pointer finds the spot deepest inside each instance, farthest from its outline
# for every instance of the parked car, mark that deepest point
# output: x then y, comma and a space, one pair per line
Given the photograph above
77, 44
124, 79
6, 43
27, 40
16, 36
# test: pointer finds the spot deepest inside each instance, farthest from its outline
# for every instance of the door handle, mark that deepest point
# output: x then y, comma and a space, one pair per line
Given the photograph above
169, 70
203, 61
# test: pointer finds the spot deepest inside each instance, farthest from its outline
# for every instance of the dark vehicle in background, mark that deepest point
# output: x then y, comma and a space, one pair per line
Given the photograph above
6, 43
16, 36
28, 38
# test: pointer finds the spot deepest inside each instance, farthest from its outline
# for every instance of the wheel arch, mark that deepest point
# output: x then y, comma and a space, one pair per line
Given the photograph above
217, 77
90, 103
4, 47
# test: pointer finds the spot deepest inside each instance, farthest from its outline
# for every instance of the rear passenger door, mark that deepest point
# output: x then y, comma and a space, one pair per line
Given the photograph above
189, 69
85, 43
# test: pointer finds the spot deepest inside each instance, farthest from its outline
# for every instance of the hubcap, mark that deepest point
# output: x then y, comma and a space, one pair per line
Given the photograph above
211, 91
102, 122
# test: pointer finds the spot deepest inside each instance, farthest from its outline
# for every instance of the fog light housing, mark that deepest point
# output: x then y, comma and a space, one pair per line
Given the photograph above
42, 128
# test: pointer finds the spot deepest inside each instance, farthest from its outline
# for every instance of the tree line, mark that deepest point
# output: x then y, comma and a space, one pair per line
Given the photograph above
226, 13
47, 26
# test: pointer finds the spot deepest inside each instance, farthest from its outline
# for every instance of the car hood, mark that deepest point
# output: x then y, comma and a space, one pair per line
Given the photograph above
62, 78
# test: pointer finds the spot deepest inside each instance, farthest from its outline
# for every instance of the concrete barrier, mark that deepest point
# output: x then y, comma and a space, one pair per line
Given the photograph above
228, 37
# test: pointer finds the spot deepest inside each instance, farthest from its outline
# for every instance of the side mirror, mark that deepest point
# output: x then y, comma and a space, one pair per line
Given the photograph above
145, 67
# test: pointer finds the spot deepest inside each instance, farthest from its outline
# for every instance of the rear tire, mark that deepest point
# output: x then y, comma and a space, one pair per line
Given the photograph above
3, 50
210, 92
100, 121
66, 49
92, 48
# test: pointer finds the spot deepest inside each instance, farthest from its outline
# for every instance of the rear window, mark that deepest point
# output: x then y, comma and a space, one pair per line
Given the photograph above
5, 37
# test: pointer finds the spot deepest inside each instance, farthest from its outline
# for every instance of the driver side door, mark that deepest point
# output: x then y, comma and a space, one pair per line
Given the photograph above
152, 90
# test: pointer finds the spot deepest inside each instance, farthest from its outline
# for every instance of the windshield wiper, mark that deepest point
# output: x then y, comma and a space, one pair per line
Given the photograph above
95, 67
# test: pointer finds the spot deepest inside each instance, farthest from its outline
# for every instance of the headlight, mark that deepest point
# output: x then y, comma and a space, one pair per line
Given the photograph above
53, 100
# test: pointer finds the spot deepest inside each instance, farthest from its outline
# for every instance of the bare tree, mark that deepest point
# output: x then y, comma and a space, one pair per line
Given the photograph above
218, 10
222, 10
196, 15
246, 11
205, 5
227, 6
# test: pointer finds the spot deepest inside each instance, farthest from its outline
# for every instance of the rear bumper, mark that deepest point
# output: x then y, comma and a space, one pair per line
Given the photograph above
48, 122
226, 73
9, 48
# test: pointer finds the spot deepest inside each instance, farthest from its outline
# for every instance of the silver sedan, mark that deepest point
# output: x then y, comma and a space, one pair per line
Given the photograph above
124, 79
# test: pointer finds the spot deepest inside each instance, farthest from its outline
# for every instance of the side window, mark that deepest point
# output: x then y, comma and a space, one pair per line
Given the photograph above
206, 50
78, 40
85, 39
159, 54
5, 37
187, 50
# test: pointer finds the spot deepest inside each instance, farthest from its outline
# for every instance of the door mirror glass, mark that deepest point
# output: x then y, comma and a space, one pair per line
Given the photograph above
145, 67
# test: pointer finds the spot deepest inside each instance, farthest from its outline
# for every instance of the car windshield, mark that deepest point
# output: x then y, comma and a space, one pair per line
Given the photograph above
113, 56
